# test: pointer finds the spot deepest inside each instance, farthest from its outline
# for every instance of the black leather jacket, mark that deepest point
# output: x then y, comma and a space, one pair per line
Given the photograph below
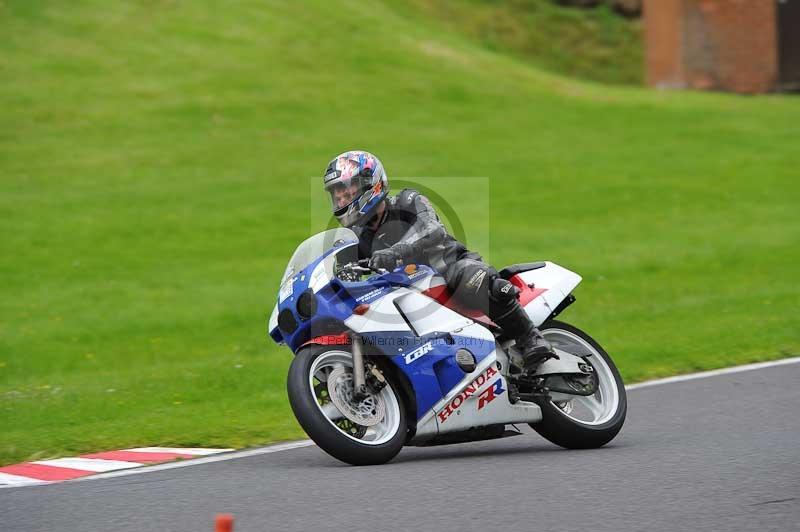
410, 219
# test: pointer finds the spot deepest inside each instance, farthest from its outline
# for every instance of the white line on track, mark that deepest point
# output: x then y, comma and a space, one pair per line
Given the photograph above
181, 450
307, 443
713, 373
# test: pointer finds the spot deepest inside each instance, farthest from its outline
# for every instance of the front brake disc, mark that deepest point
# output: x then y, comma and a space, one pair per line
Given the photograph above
368, 412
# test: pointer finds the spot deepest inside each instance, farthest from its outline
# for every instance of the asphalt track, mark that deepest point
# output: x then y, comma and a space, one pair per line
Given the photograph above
720, 453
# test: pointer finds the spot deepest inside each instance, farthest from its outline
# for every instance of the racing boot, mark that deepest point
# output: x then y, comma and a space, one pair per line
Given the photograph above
529, 341
535, 350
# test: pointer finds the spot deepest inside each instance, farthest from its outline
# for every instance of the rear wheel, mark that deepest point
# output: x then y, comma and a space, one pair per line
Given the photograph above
320, 387
583, 422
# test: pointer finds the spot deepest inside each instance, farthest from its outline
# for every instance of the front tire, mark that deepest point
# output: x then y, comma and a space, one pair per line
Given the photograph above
605, 411
384, 431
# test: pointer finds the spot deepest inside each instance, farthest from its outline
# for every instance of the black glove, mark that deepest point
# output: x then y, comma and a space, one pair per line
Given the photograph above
386, 259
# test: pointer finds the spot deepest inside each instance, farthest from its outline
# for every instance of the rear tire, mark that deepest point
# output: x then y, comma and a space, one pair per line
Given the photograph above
345, 441
566, 430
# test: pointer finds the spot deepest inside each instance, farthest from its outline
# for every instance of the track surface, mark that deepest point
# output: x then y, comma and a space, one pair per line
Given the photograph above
721, 453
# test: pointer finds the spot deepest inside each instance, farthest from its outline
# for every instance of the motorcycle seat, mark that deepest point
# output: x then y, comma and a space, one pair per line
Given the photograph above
509, 271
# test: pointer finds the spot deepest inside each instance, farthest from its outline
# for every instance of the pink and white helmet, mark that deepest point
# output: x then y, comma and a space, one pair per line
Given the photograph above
357, 184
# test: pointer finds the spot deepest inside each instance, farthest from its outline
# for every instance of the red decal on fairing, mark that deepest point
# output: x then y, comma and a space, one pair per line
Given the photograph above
490, 393
442, 295
331, 339
526, 293
466, 393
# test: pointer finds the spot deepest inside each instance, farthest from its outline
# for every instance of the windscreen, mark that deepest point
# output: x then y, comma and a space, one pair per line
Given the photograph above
316, 246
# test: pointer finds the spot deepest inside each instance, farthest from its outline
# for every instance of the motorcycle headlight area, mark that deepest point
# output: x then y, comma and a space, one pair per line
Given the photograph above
306, 305
286, 322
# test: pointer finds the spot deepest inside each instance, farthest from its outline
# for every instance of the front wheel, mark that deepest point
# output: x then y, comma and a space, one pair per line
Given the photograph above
583, 422
320, 387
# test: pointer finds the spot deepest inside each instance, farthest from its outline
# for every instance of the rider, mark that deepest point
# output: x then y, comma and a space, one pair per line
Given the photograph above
406, 229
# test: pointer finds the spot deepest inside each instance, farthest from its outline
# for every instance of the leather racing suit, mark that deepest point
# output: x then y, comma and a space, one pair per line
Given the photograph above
411, 229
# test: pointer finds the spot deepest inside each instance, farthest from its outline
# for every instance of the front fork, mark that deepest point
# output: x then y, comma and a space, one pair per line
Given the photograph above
363, 385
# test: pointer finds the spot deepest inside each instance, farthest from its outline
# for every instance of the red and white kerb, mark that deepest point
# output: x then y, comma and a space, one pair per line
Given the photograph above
47, 471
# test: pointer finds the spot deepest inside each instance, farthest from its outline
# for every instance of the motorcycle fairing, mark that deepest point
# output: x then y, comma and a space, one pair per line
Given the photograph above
422, 337
479, 400
429, 362
314, 276
555, 283
336, 299
431, 334
332, 304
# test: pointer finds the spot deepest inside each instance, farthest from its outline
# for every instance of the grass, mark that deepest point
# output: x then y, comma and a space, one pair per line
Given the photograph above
594, 44
155, 159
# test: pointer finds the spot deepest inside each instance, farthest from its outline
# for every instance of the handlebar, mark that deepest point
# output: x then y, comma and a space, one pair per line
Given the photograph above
360, 267
365, 263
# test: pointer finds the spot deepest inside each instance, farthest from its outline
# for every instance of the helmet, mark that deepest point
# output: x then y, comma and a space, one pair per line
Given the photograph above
357, 184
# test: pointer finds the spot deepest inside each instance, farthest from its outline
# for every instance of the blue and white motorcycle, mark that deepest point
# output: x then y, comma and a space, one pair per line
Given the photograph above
387, 359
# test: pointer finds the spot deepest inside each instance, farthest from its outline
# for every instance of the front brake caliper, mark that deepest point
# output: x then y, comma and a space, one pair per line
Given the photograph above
375, 379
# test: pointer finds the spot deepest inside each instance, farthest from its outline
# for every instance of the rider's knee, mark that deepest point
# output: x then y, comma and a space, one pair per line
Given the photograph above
470, 282
502, 291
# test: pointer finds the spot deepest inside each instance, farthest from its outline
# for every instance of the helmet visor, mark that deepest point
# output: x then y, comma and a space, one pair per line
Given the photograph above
344, 191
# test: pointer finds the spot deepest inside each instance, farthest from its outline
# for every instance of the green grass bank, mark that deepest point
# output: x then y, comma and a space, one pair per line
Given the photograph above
595, 44
155, 159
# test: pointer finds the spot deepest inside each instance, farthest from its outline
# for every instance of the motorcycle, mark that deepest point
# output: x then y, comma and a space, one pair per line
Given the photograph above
385, 359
